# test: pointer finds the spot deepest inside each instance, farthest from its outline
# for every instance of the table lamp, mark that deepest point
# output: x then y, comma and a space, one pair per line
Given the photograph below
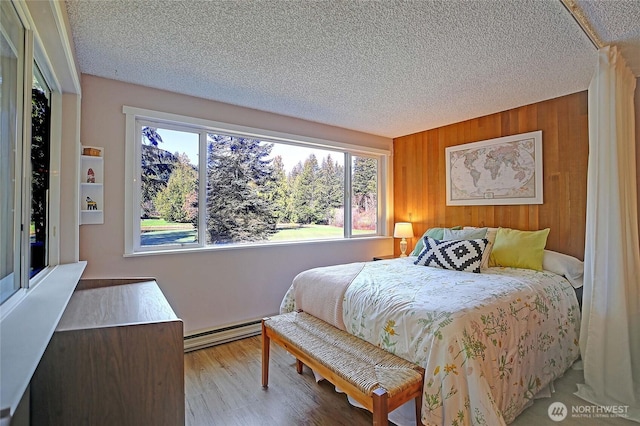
403, 230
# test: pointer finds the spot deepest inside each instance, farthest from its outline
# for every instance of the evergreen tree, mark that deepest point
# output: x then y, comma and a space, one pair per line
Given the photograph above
190, 207
330, 189
304, 193
291, 181
297, 169
277, 191
40, 129
157, 165
365, 182
151, 135
172, 200
237, 173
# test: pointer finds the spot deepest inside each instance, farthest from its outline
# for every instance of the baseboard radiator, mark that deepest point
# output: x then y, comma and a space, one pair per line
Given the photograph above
217, 336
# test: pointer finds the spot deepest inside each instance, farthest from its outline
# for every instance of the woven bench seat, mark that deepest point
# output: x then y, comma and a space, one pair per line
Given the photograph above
377, 379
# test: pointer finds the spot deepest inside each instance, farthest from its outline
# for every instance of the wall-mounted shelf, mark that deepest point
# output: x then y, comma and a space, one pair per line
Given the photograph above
91, 185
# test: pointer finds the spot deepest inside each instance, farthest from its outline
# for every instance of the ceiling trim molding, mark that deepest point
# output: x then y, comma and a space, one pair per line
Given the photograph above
52, 43
59, 16
580, 18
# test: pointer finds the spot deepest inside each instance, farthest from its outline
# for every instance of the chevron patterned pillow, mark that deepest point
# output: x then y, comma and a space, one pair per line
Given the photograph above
458, 255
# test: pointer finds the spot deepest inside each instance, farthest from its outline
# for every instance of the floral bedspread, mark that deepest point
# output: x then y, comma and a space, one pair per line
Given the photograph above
488, 342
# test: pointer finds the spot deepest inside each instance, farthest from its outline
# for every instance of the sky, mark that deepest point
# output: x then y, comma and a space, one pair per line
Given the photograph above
187, 143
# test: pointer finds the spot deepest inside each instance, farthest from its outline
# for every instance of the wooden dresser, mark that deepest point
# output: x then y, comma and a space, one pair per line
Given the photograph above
116, 358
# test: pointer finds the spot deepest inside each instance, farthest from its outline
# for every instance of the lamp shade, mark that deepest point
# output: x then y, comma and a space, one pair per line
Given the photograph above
403, 230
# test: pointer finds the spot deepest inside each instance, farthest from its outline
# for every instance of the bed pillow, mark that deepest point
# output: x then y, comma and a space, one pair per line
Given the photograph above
563, 264
435, 233
491, 236
519, 249
457, 255
464, 234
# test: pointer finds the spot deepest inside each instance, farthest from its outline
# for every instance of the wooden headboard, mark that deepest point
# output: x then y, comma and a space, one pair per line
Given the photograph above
419, 173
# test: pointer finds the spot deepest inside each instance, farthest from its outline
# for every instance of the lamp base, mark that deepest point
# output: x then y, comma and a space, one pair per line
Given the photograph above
403, 247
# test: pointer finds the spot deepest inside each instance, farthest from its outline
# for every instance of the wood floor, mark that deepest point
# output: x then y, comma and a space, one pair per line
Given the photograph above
222, 386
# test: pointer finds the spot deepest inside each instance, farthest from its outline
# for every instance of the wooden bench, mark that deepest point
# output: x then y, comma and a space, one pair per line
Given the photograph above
377, 379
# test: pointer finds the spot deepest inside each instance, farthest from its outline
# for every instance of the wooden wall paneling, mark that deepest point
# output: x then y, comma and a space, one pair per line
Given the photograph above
552, 178
401, 180
424, 208
448, 135
562, 231
637, 108
534, 217
427, 194
506, 123
417, 204
436, 178
466, 131
564, 123
400, 177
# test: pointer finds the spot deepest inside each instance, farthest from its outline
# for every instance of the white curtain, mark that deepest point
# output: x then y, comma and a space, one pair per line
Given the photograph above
610, 329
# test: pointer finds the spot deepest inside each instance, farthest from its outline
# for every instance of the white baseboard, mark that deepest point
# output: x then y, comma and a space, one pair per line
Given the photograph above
217, 336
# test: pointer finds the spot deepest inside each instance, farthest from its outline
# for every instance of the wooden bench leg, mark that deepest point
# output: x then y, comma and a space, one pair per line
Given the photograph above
419, 410
299, 365
380, 407
265, 355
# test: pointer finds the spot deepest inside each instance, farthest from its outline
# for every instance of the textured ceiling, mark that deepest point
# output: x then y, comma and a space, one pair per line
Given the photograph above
616, 22
389, 68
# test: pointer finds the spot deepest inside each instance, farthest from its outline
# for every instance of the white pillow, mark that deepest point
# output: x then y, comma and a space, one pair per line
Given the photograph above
563, 264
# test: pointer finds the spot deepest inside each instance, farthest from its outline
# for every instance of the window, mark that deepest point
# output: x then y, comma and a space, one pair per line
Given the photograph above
169, 186
24, 207
196, 183
11, 96
34, 289
364, 187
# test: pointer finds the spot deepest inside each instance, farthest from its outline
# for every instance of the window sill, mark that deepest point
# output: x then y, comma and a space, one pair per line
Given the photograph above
214, 248
26, 330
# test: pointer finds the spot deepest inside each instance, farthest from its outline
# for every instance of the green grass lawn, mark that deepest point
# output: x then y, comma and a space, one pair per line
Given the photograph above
311, 232
153, 222
307, 232
159, 232
161, 223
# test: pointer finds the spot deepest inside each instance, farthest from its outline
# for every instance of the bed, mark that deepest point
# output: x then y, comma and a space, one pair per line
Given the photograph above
489, 341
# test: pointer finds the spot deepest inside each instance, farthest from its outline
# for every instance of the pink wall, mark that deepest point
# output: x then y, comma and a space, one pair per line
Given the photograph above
212, 288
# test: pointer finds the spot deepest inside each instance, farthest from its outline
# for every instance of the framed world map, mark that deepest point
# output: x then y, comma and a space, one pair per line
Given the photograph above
502, 171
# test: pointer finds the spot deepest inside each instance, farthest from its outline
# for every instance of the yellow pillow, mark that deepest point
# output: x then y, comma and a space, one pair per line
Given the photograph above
519, 249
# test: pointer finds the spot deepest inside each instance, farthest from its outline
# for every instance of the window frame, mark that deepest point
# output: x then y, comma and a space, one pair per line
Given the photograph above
381, 196
18, 144
202, 162
29, 317
135, 118
34, 56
